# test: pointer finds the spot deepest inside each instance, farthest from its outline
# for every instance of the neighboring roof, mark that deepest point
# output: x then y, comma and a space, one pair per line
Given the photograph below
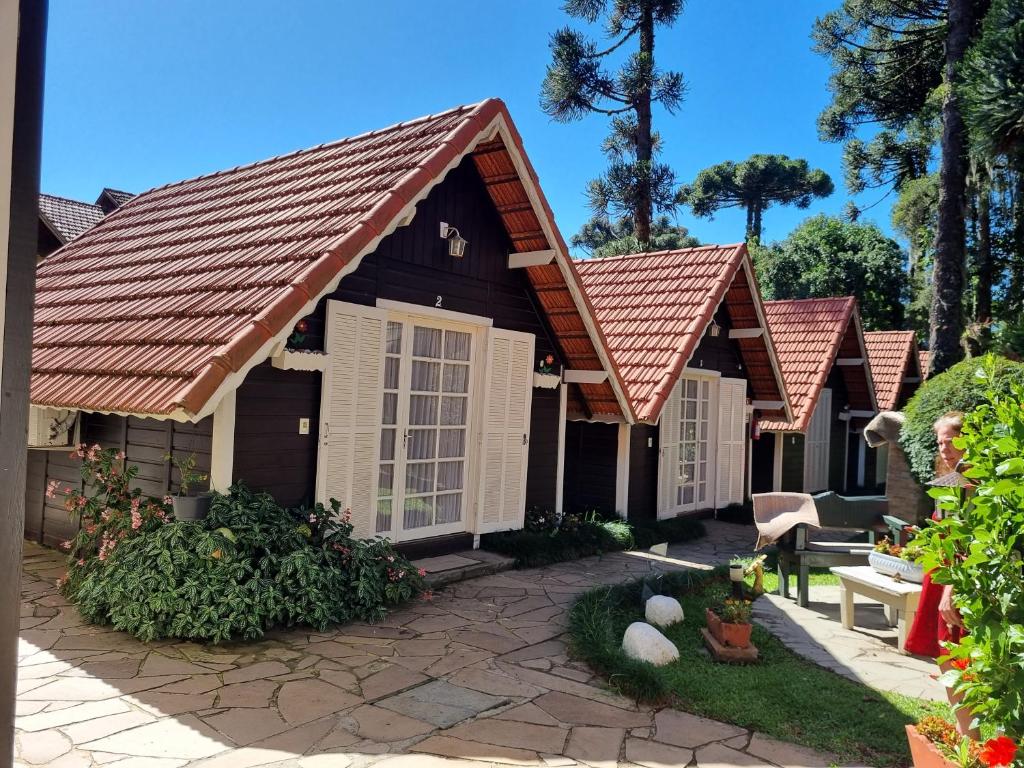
165, 305
655, 307
893, 357
809, 335
66, 218
922, 360
112, 199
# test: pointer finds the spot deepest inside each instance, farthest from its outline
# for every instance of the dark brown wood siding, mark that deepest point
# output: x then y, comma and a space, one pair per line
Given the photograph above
719, 353
644, 449
543, 460
145, 443
270, 454
411, 265
590, 457
837, 480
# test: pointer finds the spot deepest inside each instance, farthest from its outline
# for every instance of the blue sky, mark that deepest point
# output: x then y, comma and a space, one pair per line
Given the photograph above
141, 94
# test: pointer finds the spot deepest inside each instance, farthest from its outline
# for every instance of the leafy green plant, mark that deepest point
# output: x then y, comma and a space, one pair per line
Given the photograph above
188, 476
978, 548
248, 566
733, 611
956, 389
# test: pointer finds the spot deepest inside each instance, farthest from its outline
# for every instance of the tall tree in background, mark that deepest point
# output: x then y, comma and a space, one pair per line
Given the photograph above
755, 184
578, 83
601, 237
827, 256
890, 60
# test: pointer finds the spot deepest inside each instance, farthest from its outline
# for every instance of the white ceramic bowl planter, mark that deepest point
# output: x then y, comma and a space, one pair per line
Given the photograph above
888, 565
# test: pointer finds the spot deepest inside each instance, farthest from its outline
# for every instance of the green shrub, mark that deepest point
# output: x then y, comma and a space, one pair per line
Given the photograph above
957, 389
978, 548
249, 565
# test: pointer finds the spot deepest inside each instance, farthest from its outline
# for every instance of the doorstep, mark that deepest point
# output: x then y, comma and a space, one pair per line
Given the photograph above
459, 566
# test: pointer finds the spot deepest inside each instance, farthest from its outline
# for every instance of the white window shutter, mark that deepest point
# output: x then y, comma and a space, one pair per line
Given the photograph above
816, 444
732, 439
350, 411
668, 437
505, 431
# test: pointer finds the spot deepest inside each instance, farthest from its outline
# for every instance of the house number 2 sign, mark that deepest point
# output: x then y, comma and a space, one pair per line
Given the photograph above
438, 302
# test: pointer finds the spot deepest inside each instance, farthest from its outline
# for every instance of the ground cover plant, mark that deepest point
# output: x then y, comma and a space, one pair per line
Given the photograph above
783, 695
547, 538
248, 566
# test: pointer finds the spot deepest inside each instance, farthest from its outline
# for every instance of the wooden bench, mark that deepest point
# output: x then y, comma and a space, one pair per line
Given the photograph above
900, 598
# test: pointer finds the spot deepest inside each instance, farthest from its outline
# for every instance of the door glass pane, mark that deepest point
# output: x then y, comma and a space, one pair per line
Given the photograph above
456, 378
389, 413
419, 478
387, 444
423, 410
418, 512
394, 339
691, 388
383, 515
449, 508
421, 443
391, 365
449, 476
425, 376
453, 411
452, 443
386, 480
426, 342
456, 345
695, 405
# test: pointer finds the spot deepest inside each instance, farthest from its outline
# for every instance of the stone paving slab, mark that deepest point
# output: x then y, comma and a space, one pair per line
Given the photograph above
478, 677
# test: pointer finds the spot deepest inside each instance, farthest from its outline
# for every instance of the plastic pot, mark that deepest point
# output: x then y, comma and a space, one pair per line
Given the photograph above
191, 507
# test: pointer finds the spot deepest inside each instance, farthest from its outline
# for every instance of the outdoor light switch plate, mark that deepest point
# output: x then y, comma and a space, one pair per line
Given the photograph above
303, 426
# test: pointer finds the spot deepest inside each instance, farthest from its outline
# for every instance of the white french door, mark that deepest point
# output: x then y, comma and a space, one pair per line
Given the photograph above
425, 413
688, 442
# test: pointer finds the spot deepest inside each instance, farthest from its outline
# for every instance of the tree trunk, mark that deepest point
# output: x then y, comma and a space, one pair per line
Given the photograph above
983, 262
945, 318
644, 142
754, 222
1016, 285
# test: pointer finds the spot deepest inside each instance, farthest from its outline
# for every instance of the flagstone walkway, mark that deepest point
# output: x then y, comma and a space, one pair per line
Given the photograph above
478, 676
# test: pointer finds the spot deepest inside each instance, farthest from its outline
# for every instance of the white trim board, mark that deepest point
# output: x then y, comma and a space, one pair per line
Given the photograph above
531, 258
434, 313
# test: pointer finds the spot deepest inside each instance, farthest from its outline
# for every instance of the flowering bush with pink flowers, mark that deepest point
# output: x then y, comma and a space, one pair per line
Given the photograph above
248, 566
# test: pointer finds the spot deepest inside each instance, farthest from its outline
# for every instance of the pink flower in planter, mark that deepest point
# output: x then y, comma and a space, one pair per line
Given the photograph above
51, 489
168, 499
422, 572
65, 545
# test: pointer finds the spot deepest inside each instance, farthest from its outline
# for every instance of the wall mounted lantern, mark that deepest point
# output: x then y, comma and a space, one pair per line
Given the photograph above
456, 242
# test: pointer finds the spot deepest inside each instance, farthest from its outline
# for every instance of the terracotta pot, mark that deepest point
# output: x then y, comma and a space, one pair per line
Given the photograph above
714, 625
924, 753
737, 635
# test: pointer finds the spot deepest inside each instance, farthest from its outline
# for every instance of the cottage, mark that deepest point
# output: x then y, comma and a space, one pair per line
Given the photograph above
687, 331
362, 320
825, 367
896, 371
61, 219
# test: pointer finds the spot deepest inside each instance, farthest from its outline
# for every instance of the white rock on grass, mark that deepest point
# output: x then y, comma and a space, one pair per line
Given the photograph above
644, 642
663, 611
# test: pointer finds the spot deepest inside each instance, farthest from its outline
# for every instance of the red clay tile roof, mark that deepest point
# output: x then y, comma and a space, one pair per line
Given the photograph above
164, 306
922, 360
893, 356
809, 334
66, 218
655, 307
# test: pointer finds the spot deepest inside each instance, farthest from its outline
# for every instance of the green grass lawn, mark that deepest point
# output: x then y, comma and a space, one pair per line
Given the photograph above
819, 576
783, 696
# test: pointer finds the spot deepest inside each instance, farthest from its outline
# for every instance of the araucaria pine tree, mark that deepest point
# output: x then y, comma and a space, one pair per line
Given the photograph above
578, 83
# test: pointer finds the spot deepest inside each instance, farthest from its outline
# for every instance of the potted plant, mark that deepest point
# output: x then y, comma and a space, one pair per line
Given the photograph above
935, 743
893, 560
187, 507
731, 625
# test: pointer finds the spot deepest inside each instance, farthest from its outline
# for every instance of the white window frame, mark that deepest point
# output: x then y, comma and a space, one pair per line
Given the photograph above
666, 487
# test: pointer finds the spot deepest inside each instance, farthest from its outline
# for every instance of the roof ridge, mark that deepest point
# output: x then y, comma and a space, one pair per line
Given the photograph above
834, 299
68, 200
663, 252
469, 109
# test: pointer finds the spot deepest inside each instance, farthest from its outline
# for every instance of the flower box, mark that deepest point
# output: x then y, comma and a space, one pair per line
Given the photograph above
734, 635
924, 753
546, 380
889, 565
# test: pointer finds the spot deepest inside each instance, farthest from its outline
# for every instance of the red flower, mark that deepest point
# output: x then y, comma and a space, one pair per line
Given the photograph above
961, 664
302, 326
550, 359
998, 752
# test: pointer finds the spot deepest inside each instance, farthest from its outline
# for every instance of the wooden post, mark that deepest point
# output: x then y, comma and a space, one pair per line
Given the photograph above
22, 57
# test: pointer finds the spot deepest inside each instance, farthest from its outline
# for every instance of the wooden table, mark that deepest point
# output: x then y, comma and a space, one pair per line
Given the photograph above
899, 597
